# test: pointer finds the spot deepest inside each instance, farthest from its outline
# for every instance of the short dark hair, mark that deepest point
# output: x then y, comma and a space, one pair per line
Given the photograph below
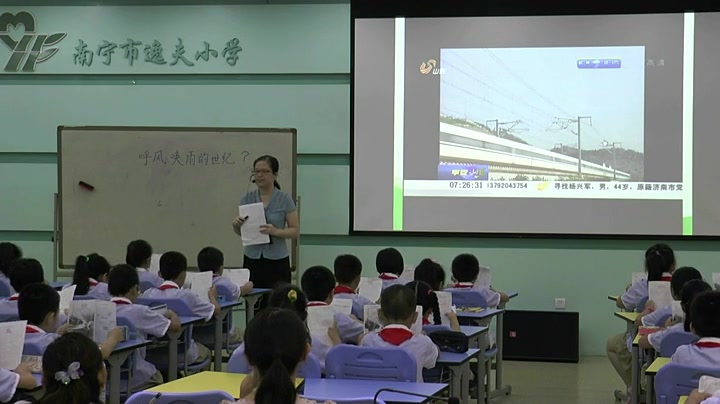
36, 301
172, 264
347, 268
430, 272
317, 282
290, 297
24, 272
465, 268
389, 260
705, 314
210, 259
138, 251
9, 252
398, 302
681, 276
122, 278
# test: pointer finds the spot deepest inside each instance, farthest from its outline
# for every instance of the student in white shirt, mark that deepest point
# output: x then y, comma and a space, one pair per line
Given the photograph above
13, 380
659, 265
652, 314
173, 268
348, 270
124, 285
465, 271
139, 256
432, 273
212, 259
9, 252
318, 284
398, 313
23, 272
90, 276
427, 298
390, 265
704, 321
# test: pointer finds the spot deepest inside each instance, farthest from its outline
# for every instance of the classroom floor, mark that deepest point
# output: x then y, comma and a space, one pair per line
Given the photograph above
591, 381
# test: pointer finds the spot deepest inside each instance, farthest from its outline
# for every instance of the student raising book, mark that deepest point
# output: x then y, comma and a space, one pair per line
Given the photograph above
348, 270
432, 273
703, 321
139, 256
389, 264
90, 276
212, 259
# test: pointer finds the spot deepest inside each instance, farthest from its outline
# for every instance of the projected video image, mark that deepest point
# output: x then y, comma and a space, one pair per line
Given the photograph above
542, 114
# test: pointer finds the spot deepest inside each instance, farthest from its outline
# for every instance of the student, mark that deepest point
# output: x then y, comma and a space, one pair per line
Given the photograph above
23, 272
465, 271
651, 315
139, 256
275, 356
318, 284
173, 269
697, 397
73, 371
13, 380
124, 286
212, 259
389, 264
9, 252
90, 276
704, 321
687, 295
427, 298
659, 265
39, 305
432, 273
397, 312
348, 270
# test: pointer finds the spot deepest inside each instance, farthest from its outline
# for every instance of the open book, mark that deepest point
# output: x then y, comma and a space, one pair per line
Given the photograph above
12, 335
93, 318
239, 277
659, 293
371, 317
199, 283
319, 321
370, 288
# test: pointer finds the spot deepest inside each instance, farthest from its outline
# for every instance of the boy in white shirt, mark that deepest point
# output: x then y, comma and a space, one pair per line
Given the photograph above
398, 313
704, 321
212, 259
348, 270
139, 256
390, 265
465, 271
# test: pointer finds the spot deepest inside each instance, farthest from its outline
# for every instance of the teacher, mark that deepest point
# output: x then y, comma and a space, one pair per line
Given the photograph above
269, 264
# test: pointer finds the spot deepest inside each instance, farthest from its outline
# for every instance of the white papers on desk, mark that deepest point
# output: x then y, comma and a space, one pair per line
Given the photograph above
370, 288
417, 325
255, 217
484, 279
637, 276
93, 318
445, 303
13, 339
342, 305
709, 385
239, 277
408, 275
200, 283
66, 298
659, 293
319, 321
371, 317
155, 263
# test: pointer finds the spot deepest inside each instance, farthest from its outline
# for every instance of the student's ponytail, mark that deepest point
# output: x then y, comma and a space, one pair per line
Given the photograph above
659, 259
81, 276
276, 385
437, 316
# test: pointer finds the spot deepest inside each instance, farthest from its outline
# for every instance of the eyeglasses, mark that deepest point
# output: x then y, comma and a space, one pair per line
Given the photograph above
263, 172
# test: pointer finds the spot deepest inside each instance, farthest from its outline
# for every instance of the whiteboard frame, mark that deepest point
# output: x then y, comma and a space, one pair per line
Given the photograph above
58, 220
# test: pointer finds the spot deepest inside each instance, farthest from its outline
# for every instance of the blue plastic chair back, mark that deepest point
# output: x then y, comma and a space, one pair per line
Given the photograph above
365, 363
467, 298
661, 321
179, 306
83, 297
225, 292
205, 397
641, 304
310, 369
5, 289
357, 400
674, 380
431, 328
672, 340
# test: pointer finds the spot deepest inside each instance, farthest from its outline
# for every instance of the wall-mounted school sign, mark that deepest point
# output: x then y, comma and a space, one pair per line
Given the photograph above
222, 39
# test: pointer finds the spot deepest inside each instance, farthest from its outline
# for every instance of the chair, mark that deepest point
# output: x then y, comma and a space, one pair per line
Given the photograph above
205, 397
83, 297
225, 292
661, 321
5, 289
467, 298
674, 380
357, 400
365, 363
431, 328
310, 369
672, 340
641, 304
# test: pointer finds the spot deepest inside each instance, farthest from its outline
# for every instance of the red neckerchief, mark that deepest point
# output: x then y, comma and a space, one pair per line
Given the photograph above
463, 285
343, 289
93, 282
31, 329
388, 277
166, 286
395, 336
316, 304
120, 301
425, 321
216, 276
13, 298
707, 344
666, 278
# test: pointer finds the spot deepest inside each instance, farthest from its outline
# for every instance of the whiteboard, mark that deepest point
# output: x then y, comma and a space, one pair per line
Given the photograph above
177, 188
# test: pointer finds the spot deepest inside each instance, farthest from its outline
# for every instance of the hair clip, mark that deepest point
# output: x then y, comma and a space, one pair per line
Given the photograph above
73, 373
292, 295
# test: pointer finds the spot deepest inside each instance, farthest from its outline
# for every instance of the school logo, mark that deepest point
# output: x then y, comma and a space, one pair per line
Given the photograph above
29, 46
428, 67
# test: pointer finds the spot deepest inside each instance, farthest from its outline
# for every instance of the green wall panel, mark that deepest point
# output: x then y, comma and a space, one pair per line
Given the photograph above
27, 196
325, 198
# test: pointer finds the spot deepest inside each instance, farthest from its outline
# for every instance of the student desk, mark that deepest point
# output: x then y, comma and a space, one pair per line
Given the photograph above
116, 359
650, 372
225, 309
500, 390
636, 366
629, 318
459, 364
682, 399
334, 388
613, 298
173, 337
250, 300
475, 334
499, 341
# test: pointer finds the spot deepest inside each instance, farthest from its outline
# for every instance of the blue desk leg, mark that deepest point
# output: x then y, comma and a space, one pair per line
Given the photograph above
172, 353
250, 307
480, 382
115, 361
217, 352
456, 373
500, 390
635, 384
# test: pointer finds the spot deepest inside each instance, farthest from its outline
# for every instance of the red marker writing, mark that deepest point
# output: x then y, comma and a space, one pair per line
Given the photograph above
86, 186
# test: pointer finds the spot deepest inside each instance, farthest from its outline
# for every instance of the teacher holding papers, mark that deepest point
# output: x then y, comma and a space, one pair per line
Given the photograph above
266, 252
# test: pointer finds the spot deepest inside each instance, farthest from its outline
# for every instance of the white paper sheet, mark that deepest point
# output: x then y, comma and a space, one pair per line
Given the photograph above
484, 279
66, 298
200, 283
370, 288
371, 317
659, 293
637, 276
343, 306
445, 303
239, 277
677, 312
155, 263
408, 274
254, 215
709, 385
105, 320
417, 325
716, 281
93, 318
12, 335
319, 321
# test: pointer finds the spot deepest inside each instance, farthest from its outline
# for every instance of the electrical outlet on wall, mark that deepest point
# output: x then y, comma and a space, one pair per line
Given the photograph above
559, 303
